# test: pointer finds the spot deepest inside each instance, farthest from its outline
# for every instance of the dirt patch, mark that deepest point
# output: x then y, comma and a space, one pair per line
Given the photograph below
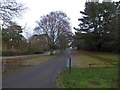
94, 82
82, 60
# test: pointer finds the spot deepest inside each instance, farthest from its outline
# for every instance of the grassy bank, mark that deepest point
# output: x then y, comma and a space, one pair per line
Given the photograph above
83, 60
89, 78
30, 60
83, 76
103, 55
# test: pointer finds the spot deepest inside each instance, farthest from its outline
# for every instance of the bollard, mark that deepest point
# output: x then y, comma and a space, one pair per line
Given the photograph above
70, 64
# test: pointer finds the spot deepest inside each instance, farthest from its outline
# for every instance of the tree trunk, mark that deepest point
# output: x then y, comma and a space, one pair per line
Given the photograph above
61, 49
51, 52
5, 47
99, 47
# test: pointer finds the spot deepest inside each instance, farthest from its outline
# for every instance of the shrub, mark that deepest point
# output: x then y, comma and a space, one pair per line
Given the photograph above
39, 51
8, 53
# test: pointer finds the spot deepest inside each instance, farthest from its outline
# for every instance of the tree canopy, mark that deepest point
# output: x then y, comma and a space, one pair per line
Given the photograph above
100, 24
11, 36
53, 26
10, 9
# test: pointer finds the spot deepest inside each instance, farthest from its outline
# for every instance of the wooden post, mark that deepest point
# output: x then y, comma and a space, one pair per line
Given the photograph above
3, 66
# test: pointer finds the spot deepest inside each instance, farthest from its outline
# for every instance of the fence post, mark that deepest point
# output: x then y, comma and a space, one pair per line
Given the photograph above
3, 66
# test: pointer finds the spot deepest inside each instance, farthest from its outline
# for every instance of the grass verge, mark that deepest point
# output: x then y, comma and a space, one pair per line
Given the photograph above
103, 56
82, 76
32, 60
89, 78
83, 60
26, 62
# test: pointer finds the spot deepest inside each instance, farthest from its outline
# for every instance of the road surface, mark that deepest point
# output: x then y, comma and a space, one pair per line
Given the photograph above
43, 75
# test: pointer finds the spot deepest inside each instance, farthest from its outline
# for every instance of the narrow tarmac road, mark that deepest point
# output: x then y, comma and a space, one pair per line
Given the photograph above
43, 75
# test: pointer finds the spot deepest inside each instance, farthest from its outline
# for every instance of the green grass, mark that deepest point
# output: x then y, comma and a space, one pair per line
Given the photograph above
40, 57
89, 78
105, 55
109, 56
83, 76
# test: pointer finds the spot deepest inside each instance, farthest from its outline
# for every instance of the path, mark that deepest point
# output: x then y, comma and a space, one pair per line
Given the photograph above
40, 76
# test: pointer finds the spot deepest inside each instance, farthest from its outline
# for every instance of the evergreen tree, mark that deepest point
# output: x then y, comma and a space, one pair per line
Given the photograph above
95, 22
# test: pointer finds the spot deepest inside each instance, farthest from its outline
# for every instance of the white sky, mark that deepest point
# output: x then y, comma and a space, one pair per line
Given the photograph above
38, 8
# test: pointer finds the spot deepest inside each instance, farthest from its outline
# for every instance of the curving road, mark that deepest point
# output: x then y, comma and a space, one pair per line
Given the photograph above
40, 76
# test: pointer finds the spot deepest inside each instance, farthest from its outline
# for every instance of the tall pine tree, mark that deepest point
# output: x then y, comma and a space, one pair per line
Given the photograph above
95, 22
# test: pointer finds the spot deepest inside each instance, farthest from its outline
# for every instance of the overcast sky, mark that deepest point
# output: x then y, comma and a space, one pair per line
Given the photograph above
38, 8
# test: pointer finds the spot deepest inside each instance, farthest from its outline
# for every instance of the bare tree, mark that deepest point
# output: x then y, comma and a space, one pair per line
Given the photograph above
10, 9
53, 25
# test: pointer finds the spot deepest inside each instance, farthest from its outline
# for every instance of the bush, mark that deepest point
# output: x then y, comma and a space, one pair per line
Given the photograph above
8, 53
39, 52
13, 53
